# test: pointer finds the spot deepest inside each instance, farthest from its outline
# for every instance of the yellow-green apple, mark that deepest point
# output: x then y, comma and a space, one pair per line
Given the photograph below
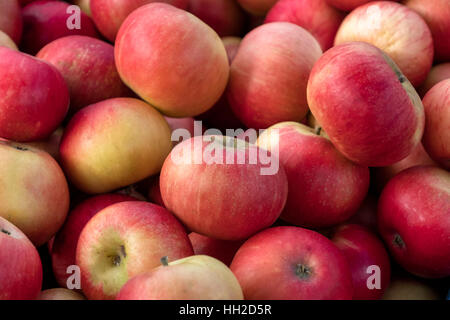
114, 143
87, 65
60, 294
367, 258
45, 21
291, 263
11, 19
437, 73
366, 215
124, 240
34, 98
20, 265
436, 137
406, 287
348, 5
222, 250
221, 187
34, 194
85, 6
224, 16
109, 15
325, 188
257, 7
316, 16
414, 220
6, 41
64, 246
269, 74
199, 277
436, 14
171, 59
395, 29
367, 107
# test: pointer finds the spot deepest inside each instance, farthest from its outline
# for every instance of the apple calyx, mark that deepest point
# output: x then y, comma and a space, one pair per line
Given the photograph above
165, 261
117, 259
5, 232
302, 271
398, 241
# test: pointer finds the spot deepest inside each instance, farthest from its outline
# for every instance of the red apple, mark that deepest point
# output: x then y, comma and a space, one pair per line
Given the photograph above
114, 143
269, 74
397, 30
348, 5
217, 186
65, 243
414, 220
367, 107
198, 277
20, 265
125, 240
34, 194
290, 263
87, 65
11, 19
325, 188
33, 97
45, 21
6, 41
257, 7
60, 294
316, 16
109, 15
436, 14
437, 73
367, 258
436, 136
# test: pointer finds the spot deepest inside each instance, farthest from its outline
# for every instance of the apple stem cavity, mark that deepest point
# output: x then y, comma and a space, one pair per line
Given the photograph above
165, 261
302, 271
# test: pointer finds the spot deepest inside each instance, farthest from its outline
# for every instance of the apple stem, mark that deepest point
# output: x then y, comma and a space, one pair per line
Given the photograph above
5, 232
165, 261
302, 271
318, 131
21, 148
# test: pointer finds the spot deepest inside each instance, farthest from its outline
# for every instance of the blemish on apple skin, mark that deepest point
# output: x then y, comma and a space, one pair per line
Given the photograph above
398, 241
5, 232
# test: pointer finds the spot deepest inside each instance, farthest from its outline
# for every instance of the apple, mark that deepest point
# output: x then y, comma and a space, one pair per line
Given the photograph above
109, 15
220, 249
348, 5
316, 16
20, 264
269, 74
60, 294
125, 240
224, 16
114, 143
87, 65
34, 194
397, 30
436, 14
436, 136
6, 41
65, 243
409, 288
325, 188
184, 54
11, 19
49, 145
34, 98
199, 277
257, 7
414, 220
217, 186
291, 263
367, 257
437, 73
367, 107
45, 21
366, 215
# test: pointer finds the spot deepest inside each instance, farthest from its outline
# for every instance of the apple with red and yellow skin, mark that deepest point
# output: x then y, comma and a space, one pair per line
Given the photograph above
198, 277
124, 240
6, 41
316, 16
395, 29
300, 263
45, 21
325, 188
367, 107
348, 5
204, 179
34, 98
436, 136
34, 194
114, 143
257, 7
87, 65
437, 73
406, 287
414, 220
363, 250
49, 145
64, 245
20, 264
226, 17
220, 249
148, 46
60, 294
269, 74
11, 19
436, 14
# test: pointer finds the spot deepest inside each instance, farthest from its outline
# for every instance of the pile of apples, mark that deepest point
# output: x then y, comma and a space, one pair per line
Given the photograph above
354, 100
